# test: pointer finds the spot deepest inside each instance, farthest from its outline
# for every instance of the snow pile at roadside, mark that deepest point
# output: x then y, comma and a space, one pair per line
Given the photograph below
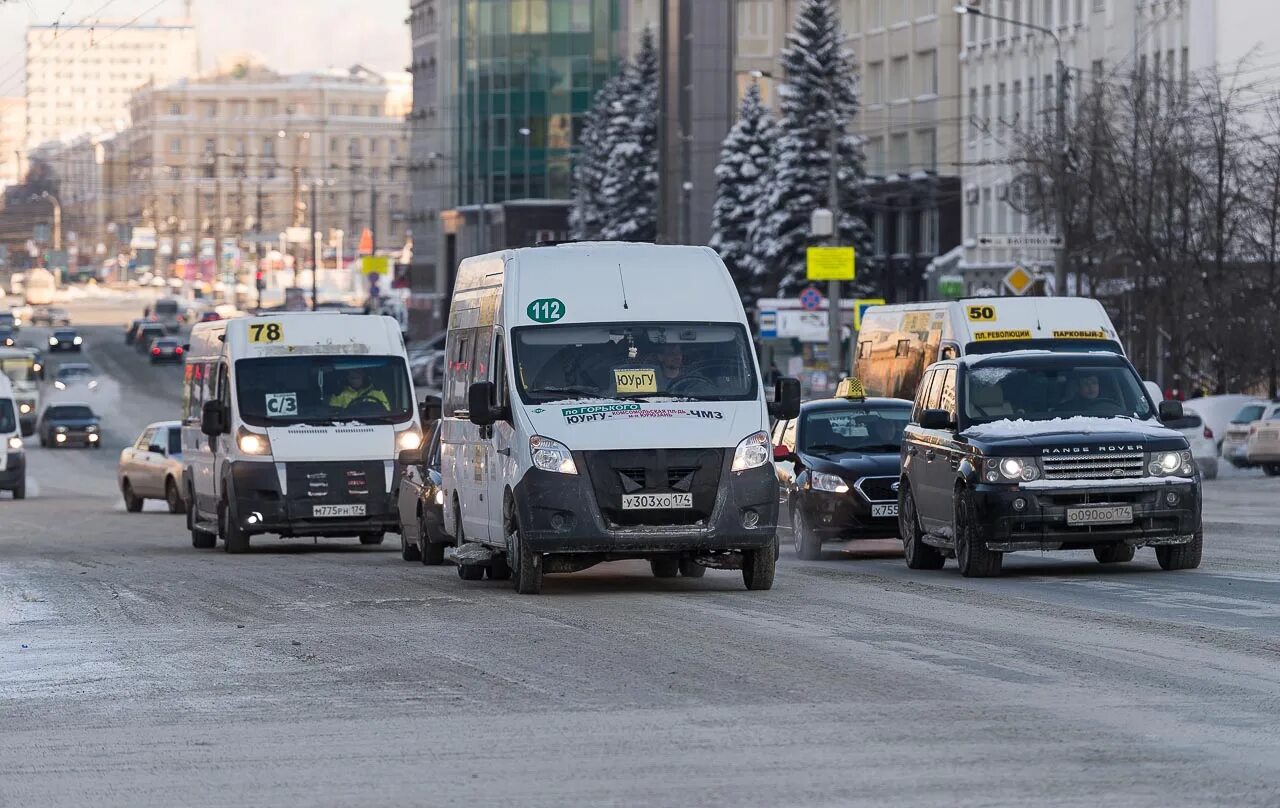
1076, 425
91, 292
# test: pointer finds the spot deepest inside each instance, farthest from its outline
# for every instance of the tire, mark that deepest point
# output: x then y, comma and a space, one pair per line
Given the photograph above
432, 553
471, 572
20, 490
234, 539
200, 539
172, 498
371, 538
132, 502
408, 550
526, 565
808, 545
664, 567
1114, 553
975, 560
691, 569
759, 566
1181, 556
918, 555
1271, 469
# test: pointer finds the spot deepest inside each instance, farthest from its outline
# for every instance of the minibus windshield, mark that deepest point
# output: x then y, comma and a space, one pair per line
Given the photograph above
8, 422
640, 361
19, 369
323, 389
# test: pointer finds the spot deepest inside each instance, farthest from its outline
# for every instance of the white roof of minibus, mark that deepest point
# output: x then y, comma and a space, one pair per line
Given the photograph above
303, 332
1040, 315
622, 281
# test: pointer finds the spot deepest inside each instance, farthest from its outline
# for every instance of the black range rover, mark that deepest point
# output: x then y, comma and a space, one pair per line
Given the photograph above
1044, 451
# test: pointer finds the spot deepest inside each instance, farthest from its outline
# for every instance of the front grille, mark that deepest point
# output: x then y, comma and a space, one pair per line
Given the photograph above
650, 471
879, 489
1108, 466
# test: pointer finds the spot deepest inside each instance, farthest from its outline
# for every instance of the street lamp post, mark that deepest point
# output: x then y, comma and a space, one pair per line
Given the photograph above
57, 219
1059, 138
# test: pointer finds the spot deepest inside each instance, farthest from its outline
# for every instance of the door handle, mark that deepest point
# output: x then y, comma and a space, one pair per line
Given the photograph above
505, 452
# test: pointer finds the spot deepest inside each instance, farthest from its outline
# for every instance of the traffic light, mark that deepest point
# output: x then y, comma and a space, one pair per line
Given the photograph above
260, 279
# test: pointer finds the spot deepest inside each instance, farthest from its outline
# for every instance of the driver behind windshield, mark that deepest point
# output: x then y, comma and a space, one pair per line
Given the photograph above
670, 365
1086, 395
359, 389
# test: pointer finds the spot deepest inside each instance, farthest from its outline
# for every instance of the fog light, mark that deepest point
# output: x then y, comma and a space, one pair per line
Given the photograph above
1171, 498
557, 521
254, 518
60, 438
1019, 504
750, 519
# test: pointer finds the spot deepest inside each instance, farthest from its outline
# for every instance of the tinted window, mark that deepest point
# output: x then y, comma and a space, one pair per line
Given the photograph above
70, 412
8, 421
166, 308
322, 389
1248, 414
862, 429
175, 441
995, 392
947, 397
934, 399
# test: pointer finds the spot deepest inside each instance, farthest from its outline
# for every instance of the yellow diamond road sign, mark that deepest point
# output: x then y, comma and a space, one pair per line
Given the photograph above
1018, 280
830, 263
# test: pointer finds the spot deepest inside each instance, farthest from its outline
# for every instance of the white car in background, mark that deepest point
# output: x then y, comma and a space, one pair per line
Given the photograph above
151, 468
1204, 449
1263, 448
1235, 446
1217, 412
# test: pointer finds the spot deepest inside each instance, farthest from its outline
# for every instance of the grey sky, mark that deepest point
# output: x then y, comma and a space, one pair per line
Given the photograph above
290, 35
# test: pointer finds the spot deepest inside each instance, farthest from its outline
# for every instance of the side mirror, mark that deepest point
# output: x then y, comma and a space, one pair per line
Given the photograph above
430, 409
213, 419
935, 419
156, 448
1170, 410
480, 407
781, 453
410, 457
786, 399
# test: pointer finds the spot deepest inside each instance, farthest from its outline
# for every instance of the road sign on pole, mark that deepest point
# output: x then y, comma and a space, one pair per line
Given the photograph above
1024, 240
861, 305
811, 299
1019, 280
830, 263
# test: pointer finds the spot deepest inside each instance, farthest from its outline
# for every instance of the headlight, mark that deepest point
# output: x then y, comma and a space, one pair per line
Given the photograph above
37, 367
551, 455
77, 341
93, 437
409, 439
24, 408
60, 385
828, 482
60, 438
1010, 469
1171, 464
753, 452
15, 443
252, 443
53, 340
90, 428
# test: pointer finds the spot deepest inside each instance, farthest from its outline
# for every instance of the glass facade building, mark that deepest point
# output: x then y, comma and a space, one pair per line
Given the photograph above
527, 71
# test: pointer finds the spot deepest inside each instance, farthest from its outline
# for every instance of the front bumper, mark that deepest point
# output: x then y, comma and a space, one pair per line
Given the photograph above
841, 517
1042, 523
15, 471
559, 513
75, 438
262, 505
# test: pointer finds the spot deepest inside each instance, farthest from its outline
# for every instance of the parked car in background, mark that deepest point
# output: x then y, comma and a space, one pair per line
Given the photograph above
69, 424
1204, 449
65, 339
1217, 412
151, 468
1263, 447
1235, 445
50, 316
166, 349
421, 504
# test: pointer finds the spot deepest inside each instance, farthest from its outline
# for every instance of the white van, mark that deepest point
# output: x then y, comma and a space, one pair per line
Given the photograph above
21, 368
39, 287
291, 425
896, 343
602, 401
13, 458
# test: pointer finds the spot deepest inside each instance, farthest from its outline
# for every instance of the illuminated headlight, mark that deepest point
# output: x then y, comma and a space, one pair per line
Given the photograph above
60, 438
53, 340
37, 367
77, 341
93, 385
24, 408
753, 452
252, 443
1005, 469
409, 439
60, 385
15, 443
551, 455
1171, 464
828, 482
93, 437
440, 496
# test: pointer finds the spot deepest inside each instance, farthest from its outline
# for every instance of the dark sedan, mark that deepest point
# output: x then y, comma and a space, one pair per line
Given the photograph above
147, 334
421, 504
69, 425
838, 465
166, 349
65, 339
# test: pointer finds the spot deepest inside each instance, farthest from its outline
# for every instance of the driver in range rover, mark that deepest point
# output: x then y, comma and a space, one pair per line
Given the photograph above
359, 389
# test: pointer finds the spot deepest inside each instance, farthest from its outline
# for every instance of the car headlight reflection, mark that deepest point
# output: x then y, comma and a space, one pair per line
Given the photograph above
1010, 469
1170, 464
828, 482
551, 455
753, 452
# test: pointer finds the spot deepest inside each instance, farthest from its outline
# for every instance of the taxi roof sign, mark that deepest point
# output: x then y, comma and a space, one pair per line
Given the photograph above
851, 388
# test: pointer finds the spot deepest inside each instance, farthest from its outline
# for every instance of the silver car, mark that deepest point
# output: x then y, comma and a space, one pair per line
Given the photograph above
152, 468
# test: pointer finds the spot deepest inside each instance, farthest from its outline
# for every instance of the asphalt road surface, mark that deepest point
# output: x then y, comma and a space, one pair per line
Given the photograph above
137, 671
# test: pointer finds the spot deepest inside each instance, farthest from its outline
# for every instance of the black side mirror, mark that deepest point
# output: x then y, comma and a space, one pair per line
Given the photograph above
1170, 410
430, 409
481, 407
935, 419
786, 399
213, 419
410, 457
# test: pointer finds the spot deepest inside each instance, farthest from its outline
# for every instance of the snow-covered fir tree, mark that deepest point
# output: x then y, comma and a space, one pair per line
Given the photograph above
820, 96
745, 157
628, 194
592, 157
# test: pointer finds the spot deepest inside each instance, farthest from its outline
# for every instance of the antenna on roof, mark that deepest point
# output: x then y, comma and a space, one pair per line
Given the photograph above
623, 281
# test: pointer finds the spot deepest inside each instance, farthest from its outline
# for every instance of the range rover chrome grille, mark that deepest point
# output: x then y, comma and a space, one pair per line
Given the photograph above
1102, 466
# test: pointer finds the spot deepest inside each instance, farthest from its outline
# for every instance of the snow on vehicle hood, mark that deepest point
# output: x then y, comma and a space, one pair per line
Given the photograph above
612, 424
1076, 425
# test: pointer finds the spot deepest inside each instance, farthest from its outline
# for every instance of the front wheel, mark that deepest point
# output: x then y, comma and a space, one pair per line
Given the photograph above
526, 565
808, 545
1271, 469
20, 490
408, 550
432, 552
759, 566
1181, 556
919, 556
234, 537
975, 560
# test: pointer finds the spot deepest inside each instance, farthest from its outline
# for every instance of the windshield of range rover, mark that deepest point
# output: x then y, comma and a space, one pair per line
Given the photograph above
640, 361
995, 392
318, 390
